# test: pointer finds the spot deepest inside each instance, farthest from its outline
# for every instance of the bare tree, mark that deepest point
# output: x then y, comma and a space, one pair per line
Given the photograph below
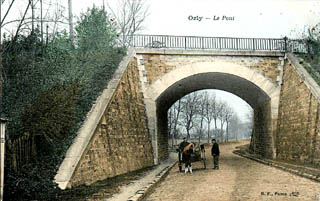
249, 122
173, 118
128, 18
5, 15
202, 111
221, 109
208, 112
235, 126
1, 48
20, 24
228, 114
197, 132
178, 108
215, 111
170, 122
51, 12
190, 106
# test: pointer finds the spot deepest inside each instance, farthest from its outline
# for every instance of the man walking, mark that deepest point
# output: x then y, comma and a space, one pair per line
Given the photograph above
215, 152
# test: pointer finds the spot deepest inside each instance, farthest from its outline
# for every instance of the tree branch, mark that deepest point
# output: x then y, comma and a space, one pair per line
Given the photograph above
6, 13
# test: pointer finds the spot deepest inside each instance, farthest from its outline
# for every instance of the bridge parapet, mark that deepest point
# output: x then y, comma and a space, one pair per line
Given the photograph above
220, 43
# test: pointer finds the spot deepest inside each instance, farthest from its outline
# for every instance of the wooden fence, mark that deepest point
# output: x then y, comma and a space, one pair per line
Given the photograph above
21, 151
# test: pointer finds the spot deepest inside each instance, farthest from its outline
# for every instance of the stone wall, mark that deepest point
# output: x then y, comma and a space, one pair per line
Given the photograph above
269, 66
298, 129
262, 140
124, 141
121, 141
157, 65
163, 145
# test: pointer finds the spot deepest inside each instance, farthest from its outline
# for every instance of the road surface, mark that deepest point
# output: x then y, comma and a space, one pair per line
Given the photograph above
237, 179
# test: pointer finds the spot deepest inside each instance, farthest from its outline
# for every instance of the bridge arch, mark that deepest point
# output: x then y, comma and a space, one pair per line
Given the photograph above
258, 91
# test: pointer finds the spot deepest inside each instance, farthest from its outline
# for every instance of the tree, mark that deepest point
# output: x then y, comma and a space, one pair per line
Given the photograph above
203, 99
52, 14
197, 133
178, 109
190, 107
173, 118
128, 18
208, 111
249, 122
94, 32
215, 110
228, 114
314, 32
170, 122
235, 127
220, 110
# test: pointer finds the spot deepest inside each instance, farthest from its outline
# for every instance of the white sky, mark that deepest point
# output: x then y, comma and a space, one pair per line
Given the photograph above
252, 18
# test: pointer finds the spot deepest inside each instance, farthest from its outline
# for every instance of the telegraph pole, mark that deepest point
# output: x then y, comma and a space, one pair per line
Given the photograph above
41, 23
71, 34
32, 16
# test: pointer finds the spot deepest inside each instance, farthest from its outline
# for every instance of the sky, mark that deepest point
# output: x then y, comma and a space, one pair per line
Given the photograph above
246, 18
216, 18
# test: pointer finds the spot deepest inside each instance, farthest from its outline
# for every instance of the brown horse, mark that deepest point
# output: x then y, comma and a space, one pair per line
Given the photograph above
186, 157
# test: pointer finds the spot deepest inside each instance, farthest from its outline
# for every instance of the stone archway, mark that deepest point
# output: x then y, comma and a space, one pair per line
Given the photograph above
258, 91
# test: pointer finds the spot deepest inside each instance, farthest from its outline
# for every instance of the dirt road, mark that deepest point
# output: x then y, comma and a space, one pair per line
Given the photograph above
238, 179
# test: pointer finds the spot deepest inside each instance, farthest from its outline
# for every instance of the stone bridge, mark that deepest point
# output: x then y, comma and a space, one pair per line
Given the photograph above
126, 129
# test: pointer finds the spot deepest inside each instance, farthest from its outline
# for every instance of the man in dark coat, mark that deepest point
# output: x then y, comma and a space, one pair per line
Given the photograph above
215, 152
183, 144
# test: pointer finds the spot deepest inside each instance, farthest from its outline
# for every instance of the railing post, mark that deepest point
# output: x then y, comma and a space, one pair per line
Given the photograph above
133, 39
202, 47
253, 45
185, 42
269, 44
285, 44
237, 40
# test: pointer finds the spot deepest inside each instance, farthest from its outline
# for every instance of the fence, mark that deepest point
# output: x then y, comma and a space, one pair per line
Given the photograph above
219, 43
22, 150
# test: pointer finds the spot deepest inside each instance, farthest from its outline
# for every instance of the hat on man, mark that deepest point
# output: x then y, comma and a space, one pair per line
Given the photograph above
213, 140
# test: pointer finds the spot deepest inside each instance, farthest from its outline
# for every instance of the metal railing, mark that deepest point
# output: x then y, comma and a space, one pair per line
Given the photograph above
219, 43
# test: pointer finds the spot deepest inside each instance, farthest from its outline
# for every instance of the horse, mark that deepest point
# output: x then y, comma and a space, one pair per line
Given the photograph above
186, 157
